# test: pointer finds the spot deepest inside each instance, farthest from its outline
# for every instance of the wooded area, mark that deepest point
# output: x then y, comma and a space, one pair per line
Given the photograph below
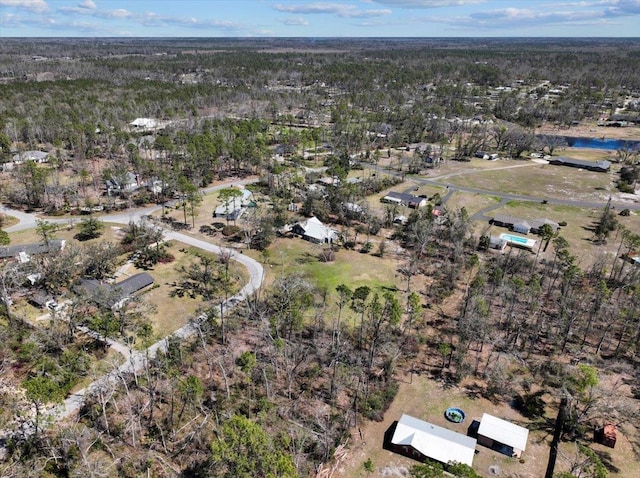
272, 384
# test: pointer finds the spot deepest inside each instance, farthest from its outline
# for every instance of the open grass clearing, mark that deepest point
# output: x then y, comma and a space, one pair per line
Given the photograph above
472, 202
8, 220
544, 181
352, 268
111, 232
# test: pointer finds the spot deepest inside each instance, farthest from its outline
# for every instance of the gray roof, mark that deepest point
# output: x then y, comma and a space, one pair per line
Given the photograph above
110, 294
31, 249
31, 156
532, 223
582, 163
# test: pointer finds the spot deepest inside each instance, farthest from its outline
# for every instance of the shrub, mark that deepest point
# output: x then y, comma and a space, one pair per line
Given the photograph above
230, 230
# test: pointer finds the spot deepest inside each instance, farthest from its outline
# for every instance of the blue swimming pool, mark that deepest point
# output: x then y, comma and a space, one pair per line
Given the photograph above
516, 239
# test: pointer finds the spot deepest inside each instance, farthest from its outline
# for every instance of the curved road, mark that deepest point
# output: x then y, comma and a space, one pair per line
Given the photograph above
136, 360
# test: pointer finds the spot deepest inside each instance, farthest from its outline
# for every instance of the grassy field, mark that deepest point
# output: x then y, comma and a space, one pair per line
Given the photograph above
472, 202
8, 221
544, 181
352, 268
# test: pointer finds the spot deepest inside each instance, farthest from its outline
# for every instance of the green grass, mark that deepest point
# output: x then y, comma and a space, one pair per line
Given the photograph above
543, 181
352, 268
472, 202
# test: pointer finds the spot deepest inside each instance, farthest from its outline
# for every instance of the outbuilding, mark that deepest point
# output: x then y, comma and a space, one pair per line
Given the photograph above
502, 436
419, 440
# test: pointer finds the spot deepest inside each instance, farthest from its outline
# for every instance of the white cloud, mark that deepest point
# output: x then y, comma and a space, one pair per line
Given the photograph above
118, 13
341, 10
294, 21
31, 5
89, 4
427, 3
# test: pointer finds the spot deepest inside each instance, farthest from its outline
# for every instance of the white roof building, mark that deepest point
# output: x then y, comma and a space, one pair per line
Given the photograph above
503, 432
234, 207
314, 231
433, 441
36, 156
144, 123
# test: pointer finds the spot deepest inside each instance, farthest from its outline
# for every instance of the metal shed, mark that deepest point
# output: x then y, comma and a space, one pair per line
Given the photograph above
502, 436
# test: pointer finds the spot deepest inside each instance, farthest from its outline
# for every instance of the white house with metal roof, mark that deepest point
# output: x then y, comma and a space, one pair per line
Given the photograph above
502, 435
419, 439
313, 230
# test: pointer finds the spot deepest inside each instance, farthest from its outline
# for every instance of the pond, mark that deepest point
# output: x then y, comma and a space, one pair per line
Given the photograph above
594, 143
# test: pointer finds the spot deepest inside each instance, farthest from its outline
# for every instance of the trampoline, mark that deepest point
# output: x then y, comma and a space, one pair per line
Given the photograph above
454, 415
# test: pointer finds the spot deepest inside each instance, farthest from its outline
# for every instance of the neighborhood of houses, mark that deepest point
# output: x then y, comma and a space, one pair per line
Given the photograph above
112, 295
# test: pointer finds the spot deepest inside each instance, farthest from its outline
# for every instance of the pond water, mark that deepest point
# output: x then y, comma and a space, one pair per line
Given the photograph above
601, 143
596, 143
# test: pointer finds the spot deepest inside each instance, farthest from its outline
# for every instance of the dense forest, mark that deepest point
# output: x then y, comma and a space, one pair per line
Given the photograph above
276, 384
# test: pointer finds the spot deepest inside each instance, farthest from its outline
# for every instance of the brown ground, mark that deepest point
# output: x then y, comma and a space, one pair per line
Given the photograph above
592, 131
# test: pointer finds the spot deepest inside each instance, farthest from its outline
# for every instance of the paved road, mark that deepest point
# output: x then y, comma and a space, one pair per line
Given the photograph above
137, 360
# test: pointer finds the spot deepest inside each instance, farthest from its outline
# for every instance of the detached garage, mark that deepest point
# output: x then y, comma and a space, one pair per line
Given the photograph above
502, 436
418, 439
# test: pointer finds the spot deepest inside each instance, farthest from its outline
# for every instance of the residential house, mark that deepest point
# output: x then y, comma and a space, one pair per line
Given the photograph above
313, 230
35, 156
23, 252
113, 295
405, 199
144, 124
502, 436
419, 440
235, 206
523, 226
128, 183
352, 209
598, 166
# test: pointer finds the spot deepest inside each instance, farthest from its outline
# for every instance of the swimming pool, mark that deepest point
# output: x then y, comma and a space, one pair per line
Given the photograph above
516, 239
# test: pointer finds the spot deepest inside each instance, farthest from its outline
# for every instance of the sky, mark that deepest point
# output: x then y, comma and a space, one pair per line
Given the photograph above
312, 18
